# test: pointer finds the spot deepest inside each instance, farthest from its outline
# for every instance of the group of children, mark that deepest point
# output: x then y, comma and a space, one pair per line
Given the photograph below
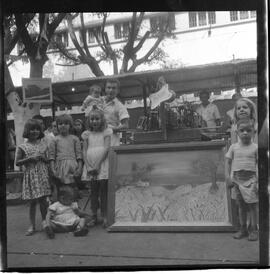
63, 162
67, 161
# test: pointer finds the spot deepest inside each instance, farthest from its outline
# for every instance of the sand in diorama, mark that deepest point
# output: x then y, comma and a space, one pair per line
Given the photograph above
185, 188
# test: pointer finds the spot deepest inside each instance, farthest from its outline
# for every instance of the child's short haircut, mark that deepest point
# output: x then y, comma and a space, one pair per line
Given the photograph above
32, 124
66, 191
102, 116
113, 80
64, 118
246, 121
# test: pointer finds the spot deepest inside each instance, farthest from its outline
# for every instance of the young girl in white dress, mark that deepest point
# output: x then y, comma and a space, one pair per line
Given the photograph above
97, 139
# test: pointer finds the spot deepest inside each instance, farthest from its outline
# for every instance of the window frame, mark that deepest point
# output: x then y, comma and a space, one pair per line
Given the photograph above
211, 17
243, 15
192, 18
202, 21
117, 31
234, 16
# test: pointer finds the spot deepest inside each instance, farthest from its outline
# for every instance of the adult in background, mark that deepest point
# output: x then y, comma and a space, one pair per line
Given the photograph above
208, 111
115, 112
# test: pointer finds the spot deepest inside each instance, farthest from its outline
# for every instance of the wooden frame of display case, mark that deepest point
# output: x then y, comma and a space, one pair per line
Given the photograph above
169, 187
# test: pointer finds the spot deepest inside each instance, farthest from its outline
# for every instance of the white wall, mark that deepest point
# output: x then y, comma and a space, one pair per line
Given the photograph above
192, 46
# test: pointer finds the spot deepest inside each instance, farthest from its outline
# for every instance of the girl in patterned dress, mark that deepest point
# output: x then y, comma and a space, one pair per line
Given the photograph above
96, 145
36, 186
65, 154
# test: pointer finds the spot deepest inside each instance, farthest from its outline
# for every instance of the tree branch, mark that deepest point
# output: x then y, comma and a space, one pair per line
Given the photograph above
83, 33
27, 40
74, 38
65, 52
55, 23
139, 45
98, 41
152, 49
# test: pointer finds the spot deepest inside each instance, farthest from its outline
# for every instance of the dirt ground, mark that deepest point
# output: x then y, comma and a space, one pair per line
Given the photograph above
101, 249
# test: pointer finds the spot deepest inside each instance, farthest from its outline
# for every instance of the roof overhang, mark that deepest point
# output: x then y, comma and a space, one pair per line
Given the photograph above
212, 77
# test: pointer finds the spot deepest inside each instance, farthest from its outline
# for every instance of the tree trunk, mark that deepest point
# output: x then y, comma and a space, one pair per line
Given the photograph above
20, 112
36, 68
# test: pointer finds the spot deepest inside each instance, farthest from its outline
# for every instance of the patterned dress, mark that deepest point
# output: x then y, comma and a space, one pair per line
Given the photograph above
36, 176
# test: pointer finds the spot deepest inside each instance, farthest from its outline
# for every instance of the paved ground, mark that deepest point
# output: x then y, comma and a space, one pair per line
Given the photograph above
102, 249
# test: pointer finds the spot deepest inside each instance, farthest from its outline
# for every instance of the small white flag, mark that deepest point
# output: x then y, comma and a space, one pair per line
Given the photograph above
160, 96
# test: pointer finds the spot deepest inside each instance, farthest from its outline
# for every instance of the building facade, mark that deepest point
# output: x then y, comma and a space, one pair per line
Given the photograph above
199, 38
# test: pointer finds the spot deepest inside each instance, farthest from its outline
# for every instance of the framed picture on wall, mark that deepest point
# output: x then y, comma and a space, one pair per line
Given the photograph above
37, 90
169, 187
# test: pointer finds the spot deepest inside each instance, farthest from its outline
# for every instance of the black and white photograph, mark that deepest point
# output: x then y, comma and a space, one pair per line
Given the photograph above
37, 90
134, 140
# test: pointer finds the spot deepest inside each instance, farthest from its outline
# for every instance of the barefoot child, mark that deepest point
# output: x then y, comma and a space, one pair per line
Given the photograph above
32, 155
65, 216
95, 151
241, 162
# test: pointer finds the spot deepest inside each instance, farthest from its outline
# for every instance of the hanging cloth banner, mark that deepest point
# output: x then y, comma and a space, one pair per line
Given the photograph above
160, 96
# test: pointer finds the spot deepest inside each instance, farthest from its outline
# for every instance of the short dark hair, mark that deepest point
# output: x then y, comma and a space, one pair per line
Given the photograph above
81, 122
246, 121
113, 80
205, 92
32, 124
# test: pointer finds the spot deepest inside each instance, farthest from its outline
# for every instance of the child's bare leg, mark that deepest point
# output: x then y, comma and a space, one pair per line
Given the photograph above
82, 223
242, 215
242, 219
103, 200
94, 199
81, 229
32, 215
43, 205
253, 235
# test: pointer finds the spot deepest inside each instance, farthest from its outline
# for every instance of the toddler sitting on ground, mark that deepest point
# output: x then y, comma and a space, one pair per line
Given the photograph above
65, 216
93, 99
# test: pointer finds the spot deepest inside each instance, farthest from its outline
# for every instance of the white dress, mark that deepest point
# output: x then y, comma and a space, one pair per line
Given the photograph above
94, 153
